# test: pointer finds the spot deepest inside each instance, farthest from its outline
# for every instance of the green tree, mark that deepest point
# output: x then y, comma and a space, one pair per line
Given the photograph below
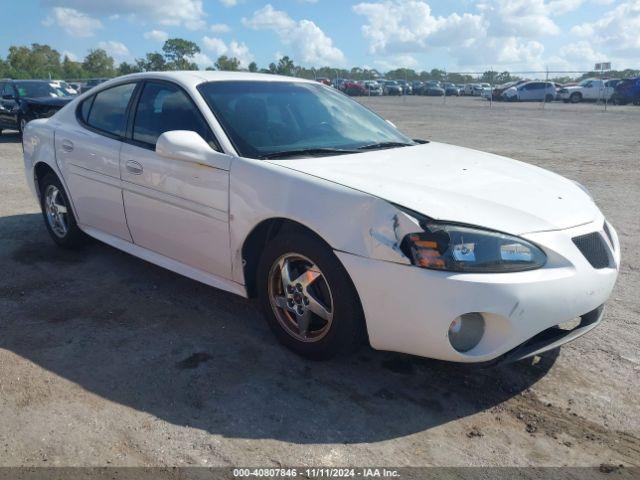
98, 63
126, 68
285, 66
36, 61
71, 69
253, 67
153, 62
179, 53
225, 63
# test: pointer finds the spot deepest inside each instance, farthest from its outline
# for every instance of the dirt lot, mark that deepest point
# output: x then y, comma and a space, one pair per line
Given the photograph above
108, 360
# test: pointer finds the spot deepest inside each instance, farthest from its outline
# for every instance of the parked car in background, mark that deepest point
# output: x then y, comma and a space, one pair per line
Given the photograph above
373, 88
406, 87
24, 100
500, 89
590, 89
451, 89
354, 89
92, 82
65, 86
323, 80
531, 91
627, 91
342, 227
432, 88
391, 87
478, 88
417, 86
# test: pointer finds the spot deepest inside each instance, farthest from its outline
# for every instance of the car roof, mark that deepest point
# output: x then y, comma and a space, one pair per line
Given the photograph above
195, 77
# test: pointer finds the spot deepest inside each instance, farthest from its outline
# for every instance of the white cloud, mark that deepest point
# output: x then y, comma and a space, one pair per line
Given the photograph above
235, 49
519, 18
408, 26
156, 35
503, 33
202, 60
215, 45
187, 13
575, 56
118, 50
617, 32
399, 61
309, 43
220, 28
73, 22
229, 3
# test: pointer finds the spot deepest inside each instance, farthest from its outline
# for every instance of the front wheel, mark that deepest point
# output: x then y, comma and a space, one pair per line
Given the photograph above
575, 98
57, 213
549, 98
308, 298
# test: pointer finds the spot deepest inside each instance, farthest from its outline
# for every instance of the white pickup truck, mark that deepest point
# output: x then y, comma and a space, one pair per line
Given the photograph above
593, 89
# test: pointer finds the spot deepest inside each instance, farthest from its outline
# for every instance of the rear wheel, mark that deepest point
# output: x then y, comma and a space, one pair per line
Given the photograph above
308, 298
58, 216
549, 98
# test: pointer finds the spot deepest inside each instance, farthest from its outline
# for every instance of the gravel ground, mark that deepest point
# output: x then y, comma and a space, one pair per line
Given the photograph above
108, 360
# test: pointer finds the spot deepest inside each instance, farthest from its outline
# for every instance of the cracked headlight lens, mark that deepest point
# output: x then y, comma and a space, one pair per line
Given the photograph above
457, 248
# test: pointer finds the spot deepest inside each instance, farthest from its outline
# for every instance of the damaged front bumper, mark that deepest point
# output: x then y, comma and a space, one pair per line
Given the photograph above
409, 309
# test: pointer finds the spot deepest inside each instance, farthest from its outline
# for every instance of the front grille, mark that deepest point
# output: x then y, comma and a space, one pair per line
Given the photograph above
594, 249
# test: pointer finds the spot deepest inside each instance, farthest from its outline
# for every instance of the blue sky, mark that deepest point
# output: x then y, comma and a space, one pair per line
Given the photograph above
456, 35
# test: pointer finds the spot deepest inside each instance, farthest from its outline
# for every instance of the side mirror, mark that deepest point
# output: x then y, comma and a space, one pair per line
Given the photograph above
188, 146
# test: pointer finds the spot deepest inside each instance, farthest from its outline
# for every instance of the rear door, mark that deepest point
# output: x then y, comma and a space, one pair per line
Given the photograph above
176, 208
88, 153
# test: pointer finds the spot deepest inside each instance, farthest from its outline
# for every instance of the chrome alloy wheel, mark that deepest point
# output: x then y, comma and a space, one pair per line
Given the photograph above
300, 297
56, 210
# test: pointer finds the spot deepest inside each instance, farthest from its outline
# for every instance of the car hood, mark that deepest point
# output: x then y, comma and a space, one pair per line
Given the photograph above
49, 101
461, 185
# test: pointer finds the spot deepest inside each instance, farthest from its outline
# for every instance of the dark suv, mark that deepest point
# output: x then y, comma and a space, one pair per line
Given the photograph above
24, 100
627, 91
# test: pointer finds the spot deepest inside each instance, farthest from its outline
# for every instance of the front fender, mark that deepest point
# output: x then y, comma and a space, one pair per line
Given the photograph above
348, 220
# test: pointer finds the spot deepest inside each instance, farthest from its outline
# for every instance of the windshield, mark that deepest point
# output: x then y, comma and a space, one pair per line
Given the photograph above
40, 89
264, 118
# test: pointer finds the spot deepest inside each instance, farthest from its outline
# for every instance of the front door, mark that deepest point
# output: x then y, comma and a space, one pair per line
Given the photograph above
175, 208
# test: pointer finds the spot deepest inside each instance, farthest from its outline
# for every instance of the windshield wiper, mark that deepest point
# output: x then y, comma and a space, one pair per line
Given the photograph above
307, 151
379, 145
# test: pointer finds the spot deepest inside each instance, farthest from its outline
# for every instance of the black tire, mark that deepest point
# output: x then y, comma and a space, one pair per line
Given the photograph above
74, 237
549, 98
575, 97
347, 330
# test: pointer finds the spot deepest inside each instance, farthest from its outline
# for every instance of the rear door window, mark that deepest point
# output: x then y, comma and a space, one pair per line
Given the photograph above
108, 112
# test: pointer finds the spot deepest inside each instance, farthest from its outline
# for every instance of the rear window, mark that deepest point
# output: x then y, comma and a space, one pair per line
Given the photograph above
108, 111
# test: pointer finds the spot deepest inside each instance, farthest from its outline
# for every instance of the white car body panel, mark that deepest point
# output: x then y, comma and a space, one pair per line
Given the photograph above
595, 89
458, 184
178, 209
194, 218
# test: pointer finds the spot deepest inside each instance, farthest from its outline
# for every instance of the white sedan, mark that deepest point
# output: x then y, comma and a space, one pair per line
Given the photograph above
344, 228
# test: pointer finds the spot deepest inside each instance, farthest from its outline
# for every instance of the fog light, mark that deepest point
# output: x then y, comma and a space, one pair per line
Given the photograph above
466, 331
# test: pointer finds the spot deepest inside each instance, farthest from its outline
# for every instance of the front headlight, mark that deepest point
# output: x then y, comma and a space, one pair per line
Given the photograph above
465, 249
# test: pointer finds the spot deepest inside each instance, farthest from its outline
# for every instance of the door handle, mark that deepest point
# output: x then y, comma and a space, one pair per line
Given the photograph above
133, 167
67, 145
